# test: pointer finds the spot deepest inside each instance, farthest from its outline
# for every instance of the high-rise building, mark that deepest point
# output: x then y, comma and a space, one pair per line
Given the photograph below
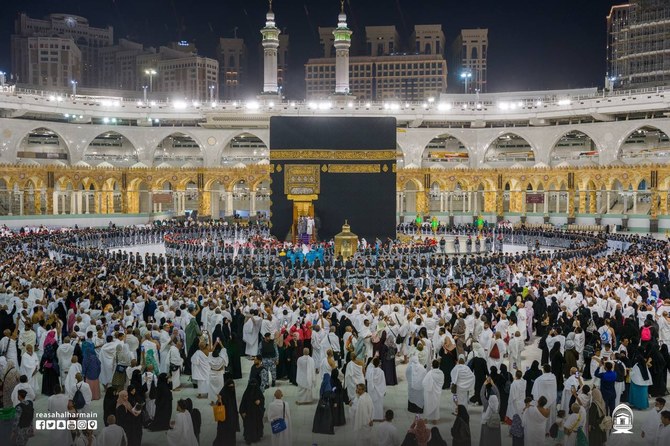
386, 72
180, 71
428, 39
471, 51
327, 40
43, 66
48, 62
638, 54
381, 40
122, 66
232, 56
282, 62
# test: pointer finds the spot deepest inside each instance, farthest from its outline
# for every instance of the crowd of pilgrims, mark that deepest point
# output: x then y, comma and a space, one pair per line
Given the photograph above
81, 323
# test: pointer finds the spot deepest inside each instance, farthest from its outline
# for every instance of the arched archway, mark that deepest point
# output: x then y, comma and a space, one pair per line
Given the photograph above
574, 148
645, 145
139, 197
435, 196
217, 199
241, 199
445, 150
244, 148
178, 150
410, 191
399, 157
113, 148
509, 150
262, 199
43, 146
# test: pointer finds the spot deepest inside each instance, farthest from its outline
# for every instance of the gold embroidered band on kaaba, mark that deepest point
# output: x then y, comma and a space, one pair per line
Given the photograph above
333, 155
354, 168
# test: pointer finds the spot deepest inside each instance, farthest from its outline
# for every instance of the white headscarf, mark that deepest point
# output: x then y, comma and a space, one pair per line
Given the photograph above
492, 410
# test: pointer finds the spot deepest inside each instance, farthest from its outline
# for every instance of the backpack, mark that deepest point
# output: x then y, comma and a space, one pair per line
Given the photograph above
605, 337
27, 413
606, 424
495, 352
588, 352
581, 438
646, 334
516, 430
620, 372
78, 399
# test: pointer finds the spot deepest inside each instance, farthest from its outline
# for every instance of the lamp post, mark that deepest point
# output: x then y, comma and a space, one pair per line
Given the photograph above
151, 73
211, 93
74, 87
144, 87
2, 78
466, 75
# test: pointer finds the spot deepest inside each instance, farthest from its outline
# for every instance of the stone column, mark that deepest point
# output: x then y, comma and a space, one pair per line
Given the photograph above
252, 203
607, 193
21, 202
55, 197
229, 203
634, 202
88, 201
546, 203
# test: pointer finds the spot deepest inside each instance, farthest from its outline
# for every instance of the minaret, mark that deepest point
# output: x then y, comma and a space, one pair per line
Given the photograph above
342, 36
270, 44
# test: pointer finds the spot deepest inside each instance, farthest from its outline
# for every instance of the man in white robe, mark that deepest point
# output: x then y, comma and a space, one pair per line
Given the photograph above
415, 374
71, 379
514, 349
386, 433
545, 385
280, 409
363, 417
663, 435
200, 370
464, 379
29, 366
304, 377
570, 386
652, 423
376, 388
85, 392
432, 392
107, 361
112, 435
353, 376
517, 395
250, 332
64, 354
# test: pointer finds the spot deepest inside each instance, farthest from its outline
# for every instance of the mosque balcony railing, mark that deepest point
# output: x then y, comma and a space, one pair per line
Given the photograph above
468, 106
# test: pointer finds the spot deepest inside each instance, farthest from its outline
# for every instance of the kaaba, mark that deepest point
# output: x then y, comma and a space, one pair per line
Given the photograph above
333, 170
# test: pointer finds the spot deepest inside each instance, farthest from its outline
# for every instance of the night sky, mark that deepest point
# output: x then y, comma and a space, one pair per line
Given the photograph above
533, 44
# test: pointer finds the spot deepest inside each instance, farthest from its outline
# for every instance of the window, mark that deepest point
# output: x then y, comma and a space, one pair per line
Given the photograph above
437, 47
428, 49
474, 53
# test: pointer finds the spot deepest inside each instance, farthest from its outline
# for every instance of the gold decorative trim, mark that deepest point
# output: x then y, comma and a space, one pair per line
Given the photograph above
309, 198
324, 168
354, 168
335, 155
302, 179
385, 168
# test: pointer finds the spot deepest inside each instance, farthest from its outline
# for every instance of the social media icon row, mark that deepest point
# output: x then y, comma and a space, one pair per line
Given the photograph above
61, 425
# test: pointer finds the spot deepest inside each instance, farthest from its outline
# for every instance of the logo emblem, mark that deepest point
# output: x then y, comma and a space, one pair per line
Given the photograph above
92, 425
51, 425
81, 424
622, 419
72, 425
61, 425
39, 425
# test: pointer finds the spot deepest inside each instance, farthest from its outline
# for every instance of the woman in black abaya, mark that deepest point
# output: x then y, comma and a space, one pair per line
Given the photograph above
339, 399
530, 376
226, 431
323, 417
252, 409
557, 362
234, 355
163, 404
